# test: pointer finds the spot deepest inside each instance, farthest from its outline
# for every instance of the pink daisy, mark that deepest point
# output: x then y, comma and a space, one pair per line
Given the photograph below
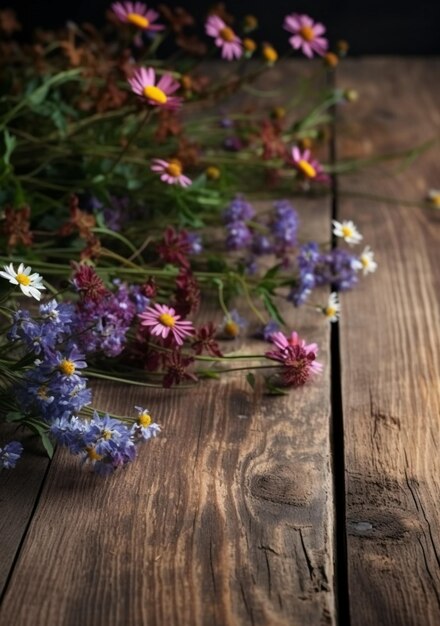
171, 172
225, 38
298, 359
306, 34
163, 320
143, 84
308, 167
138, 14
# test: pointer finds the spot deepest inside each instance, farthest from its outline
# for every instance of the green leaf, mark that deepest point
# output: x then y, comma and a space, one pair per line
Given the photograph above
271, 307
272, 272
272, 390
48, 446
10, 143
13, 416
250, 377
39, 95
208, 374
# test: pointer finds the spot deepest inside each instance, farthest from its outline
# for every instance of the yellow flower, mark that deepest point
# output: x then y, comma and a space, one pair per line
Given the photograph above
270, 54
212, 172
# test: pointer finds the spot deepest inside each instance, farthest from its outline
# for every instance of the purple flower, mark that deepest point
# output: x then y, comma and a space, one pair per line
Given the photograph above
101, 326
239, 210
239, 236
233, 144
337, 268
195, 242
285, 226
261, 244
271, 327
144, 427
10, 454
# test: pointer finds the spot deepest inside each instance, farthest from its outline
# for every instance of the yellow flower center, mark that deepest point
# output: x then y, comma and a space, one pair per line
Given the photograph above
365, 261
144, 419
93, 455
42, 392
227, 34
106, 434
138, 20
347, 231
330, 311
174, 169
435, 199
307, 33
67, 367
306, 168
270, 54
186, 82
249, 44
23, 279
155, 94
232, 329
331, 59
167, 320
212, 172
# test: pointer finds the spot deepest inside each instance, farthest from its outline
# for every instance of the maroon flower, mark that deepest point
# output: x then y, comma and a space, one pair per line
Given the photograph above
175, 247
149, 289
204, 340
17, 226
298, 363
176, 369
187, 297
88, 283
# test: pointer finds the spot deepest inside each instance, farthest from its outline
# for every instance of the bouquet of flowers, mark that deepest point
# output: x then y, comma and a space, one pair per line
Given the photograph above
132, 180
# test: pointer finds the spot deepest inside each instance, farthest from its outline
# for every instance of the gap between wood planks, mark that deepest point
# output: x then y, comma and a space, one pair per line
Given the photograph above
337, 418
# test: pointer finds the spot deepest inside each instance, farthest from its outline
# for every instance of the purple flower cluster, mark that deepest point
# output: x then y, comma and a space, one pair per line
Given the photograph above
41, 335
337, 268
284, 227
279, 234
101, 325
102, 442
51, 387
10, 454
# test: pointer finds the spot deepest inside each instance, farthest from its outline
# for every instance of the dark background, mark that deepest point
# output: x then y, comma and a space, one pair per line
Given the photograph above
371, 26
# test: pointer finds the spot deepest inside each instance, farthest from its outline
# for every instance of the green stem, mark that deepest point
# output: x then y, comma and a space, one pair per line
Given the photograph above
130, 141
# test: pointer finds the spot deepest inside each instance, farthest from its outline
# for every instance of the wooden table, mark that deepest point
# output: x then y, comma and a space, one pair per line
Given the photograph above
320, 508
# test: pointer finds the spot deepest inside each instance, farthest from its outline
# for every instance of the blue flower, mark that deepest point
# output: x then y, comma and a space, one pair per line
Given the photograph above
285, 225
239, 236
239, 210
10, 454
271, 327
144, 427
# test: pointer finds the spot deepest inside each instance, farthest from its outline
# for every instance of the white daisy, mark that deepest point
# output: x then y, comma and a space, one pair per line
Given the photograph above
366, 261
347, 230
434, 198
30, 284
333, 308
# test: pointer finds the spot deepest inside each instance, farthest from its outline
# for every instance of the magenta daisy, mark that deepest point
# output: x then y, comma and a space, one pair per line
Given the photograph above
171, 172
225, 38
137, 14
298, 359
143, 83
163, 320
307, 34
308, 167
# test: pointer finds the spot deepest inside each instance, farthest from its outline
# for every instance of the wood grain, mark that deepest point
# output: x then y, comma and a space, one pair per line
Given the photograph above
19, 490
390, 347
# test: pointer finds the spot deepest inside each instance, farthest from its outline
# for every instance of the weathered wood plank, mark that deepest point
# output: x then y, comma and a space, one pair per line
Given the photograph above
226, 519
19, 491
390, 346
